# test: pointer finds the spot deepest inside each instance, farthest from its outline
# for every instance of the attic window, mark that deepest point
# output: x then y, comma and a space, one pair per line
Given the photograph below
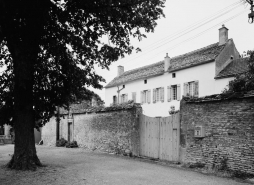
145, 81
173, 75
231, 57
123, 86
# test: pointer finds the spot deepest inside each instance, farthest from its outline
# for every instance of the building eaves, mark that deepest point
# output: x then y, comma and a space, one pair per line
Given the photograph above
144, 72
197, 57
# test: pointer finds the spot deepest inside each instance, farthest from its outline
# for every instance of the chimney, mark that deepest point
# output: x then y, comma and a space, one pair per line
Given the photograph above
223, 35
120, 70
166, 62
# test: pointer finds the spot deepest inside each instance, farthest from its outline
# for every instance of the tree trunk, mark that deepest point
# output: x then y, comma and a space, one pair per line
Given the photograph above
25, 157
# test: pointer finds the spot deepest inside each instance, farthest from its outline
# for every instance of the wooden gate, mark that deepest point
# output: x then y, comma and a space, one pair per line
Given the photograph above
159, 137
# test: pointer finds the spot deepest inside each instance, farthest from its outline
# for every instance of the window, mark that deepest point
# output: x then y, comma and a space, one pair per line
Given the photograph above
145, 81
158, 94
123, 86
173, 75
134, 97
123, 98
191, 89
174, 92
145, 96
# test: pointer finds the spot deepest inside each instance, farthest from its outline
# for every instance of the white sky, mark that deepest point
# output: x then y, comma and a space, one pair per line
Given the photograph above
191, 20
188, 25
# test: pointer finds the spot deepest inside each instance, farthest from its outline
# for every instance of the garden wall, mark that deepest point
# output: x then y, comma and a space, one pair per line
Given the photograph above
111, 129
229, 132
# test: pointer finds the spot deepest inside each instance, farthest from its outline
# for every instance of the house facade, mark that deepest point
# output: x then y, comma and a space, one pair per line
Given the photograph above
160, 86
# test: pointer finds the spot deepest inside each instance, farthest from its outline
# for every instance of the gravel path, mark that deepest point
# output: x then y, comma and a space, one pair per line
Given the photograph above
82, 167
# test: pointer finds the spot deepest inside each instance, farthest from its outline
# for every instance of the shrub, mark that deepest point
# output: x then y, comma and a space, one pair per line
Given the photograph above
61, 142
72, 144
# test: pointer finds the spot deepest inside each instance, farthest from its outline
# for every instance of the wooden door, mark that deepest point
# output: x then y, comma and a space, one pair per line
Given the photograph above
69, 131
159, 137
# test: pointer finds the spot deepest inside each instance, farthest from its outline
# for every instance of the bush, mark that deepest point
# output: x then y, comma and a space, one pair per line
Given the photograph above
61, 142
72, 144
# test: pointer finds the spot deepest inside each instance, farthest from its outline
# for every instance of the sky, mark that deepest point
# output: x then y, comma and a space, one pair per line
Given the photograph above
187, 26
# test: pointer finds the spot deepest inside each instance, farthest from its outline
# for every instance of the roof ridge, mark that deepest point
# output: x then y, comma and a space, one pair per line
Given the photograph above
200, 49
143, 67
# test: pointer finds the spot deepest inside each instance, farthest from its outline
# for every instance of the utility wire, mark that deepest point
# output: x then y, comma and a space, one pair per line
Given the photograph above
184, 32
198, 22
201, 33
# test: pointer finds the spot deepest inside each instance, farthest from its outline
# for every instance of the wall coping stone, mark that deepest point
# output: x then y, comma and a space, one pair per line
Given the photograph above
220, 97
101, 109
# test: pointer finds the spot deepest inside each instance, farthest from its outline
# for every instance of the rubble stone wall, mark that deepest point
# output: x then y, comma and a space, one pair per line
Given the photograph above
112, 131
229, 133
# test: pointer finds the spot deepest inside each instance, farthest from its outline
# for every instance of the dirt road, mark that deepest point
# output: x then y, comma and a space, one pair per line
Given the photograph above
82, 167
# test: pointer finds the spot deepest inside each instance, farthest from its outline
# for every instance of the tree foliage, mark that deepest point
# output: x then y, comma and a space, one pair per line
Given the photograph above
70, 44
49, 49
243, 82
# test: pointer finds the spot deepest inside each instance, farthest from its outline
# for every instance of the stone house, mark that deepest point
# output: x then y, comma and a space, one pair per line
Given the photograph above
161, 85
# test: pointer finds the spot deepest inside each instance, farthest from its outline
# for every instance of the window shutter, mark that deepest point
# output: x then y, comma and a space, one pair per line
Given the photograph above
178, 92
162, 94
141, 97
126, 96
196, 89
134, 97
169, 93
154, 95
144, 97
149, 96
184, 89
172, 92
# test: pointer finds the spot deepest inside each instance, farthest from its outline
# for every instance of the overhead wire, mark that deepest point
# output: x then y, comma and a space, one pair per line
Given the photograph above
186, 30
198, 22
201, 33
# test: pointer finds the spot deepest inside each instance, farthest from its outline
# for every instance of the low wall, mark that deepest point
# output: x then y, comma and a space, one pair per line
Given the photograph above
110, 130
229, 133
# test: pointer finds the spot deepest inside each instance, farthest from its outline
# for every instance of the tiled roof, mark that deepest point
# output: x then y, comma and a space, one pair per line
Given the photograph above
196, 57
138, 73
237, 66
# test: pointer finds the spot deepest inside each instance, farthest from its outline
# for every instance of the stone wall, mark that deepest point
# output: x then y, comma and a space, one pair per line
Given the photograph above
229, 133
115, 130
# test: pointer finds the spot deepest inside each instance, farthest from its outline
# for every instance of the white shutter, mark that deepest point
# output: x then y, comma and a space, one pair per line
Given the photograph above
185, 89
126, 96
162, 94
144, 96
169, 93
196, 89
178, 91
154, 95
141, 97
134, 97
149, 96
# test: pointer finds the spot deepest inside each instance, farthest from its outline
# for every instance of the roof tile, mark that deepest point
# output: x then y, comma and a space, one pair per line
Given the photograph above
237, 66
196, 57
138, 73
208, 53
